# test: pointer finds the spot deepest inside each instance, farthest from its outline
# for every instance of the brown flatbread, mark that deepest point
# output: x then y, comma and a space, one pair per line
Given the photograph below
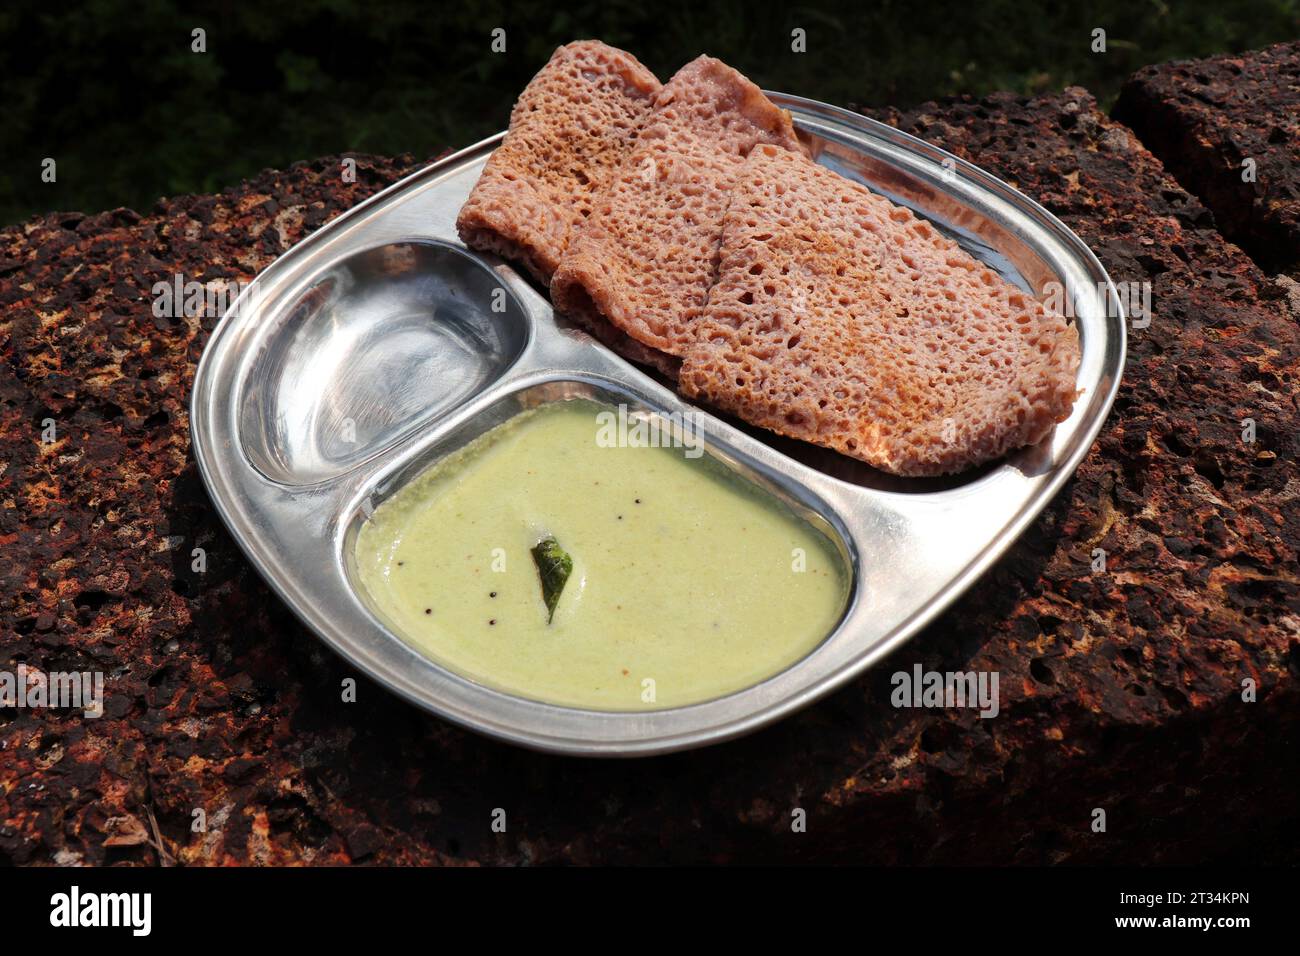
569, 133
844, 320
648, 254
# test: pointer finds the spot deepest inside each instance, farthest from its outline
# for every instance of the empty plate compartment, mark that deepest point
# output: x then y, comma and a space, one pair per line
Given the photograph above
384, 340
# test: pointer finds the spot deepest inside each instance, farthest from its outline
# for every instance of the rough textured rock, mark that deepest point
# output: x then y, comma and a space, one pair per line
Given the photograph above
1205, 119
1120, 690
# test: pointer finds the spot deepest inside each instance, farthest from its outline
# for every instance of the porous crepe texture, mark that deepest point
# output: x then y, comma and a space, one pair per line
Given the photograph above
569, 133
842, 319
648, 254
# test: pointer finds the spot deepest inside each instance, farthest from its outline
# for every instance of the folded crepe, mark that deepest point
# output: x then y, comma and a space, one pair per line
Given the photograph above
645, 258
842, 319
569, 133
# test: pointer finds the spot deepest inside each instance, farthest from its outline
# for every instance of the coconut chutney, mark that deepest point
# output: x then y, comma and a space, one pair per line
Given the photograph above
687, 581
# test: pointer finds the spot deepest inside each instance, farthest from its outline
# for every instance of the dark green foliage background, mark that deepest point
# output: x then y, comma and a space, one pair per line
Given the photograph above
110, 89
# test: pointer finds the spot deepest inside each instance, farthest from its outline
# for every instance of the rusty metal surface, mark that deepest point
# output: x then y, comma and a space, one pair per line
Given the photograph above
1207, 119
1120, 690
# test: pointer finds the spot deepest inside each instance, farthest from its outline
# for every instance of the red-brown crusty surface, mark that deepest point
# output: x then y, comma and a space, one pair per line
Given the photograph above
570, 130
647, 255
844, 320
1228, 128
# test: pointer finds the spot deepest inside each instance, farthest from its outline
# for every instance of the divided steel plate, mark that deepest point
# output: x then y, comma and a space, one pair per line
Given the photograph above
371, 349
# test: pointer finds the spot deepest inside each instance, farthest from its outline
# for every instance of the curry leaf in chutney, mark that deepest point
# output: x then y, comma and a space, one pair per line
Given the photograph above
554, 565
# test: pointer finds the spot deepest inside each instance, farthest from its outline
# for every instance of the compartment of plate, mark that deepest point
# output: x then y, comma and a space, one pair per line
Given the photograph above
382, 341
792, 496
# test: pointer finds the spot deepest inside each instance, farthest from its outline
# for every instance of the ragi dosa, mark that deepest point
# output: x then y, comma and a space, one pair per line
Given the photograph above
648, 254
842, 319
569, 133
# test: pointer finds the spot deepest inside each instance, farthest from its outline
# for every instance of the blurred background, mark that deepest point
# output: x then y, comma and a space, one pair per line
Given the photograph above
113, 92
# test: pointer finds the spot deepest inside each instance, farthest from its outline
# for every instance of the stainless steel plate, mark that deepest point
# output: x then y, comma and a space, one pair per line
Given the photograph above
372, 348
